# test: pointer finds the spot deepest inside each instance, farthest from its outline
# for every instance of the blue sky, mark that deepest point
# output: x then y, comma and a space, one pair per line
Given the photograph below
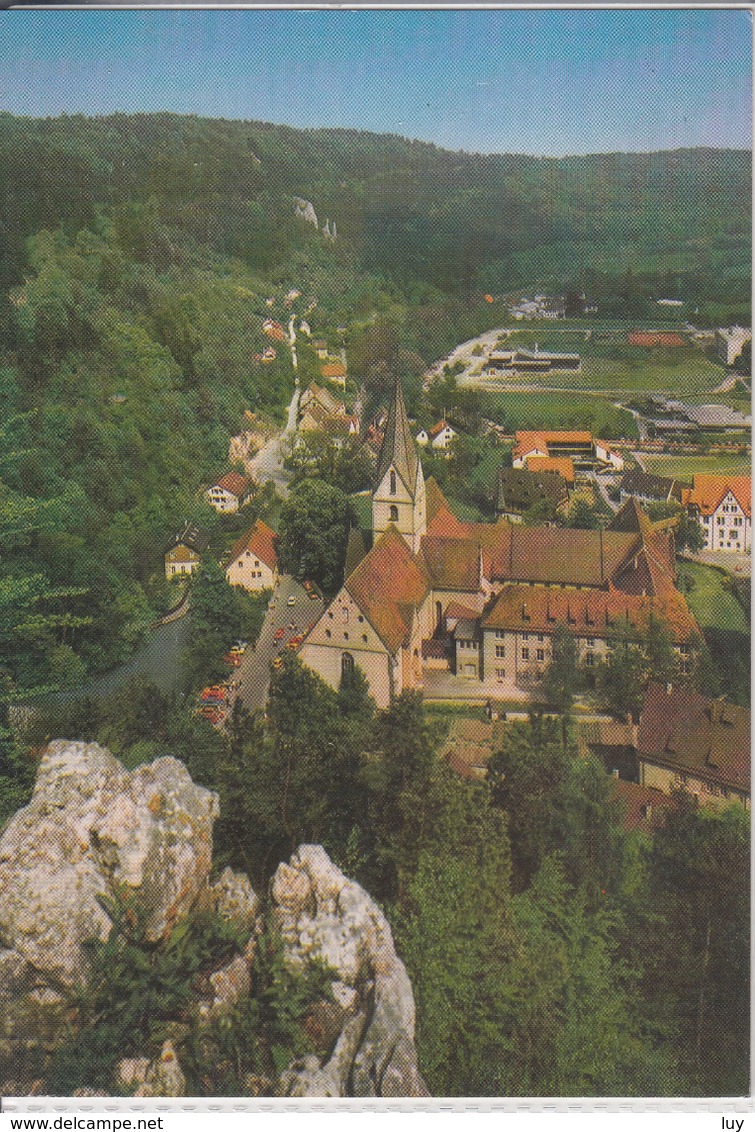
528, 81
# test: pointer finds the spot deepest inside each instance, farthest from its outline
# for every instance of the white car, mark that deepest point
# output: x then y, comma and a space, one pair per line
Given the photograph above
292, 600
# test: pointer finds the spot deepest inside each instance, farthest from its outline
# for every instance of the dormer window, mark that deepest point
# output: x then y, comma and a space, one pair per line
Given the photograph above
393, 482
394, 513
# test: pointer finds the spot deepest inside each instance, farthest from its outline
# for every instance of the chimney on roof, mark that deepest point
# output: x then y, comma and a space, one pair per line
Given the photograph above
669, 689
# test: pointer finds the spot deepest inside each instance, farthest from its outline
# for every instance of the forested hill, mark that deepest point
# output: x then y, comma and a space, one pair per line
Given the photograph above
456, 221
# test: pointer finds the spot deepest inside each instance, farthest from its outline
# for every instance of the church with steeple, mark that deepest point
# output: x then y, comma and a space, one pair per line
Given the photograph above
399, 497
437, 599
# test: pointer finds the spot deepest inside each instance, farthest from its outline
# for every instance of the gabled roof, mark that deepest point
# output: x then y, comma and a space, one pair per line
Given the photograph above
437, 429
693, 734
519, 489
259, 541
452, 563
234, 483
435, 500
564, 465
398, 446
637, 482
388, 585
708, 491
189, 536
589, 613
643, 806
333, 370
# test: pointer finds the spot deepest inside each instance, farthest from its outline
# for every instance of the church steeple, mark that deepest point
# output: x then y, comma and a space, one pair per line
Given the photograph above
399, 496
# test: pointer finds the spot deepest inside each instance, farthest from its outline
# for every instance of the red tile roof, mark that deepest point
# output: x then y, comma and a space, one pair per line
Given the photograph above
528, 441
235, 484
452, 563
708, 491
388, 585
260, 541
587, 613
438, 428
643, 806
692, 734
333, 370
564, 465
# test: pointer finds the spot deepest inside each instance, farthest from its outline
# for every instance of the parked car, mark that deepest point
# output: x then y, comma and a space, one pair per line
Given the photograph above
279, 634
278, 663
291, 600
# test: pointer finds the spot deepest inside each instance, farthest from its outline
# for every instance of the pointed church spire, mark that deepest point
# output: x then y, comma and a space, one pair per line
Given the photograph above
398, 449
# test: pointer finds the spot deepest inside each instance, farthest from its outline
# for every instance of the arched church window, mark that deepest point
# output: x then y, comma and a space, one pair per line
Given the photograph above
394, 513
393, 482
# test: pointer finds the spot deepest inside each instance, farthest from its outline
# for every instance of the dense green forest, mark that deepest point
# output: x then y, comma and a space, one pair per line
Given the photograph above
551, 952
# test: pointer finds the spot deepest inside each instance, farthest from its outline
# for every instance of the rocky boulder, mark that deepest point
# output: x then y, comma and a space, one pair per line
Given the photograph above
322, 915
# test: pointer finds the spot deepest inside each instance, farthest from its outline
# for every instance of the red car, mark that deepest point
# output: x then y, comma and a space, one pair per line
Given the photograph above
279, 634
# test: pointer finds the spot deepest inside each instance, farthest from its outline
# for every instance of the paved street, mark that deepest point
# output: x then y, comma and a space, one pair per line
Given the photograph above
254, 673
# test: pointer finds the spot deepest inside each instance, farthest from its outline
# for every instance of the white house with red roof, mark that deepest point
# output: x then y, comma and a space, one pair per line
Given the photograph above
254, 559
722, 506
229, 493
441, 435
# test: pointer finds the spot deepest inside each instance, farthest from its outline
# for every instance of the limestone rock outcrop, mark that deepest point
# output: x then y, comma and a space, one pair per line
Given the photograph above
93, 830
322, 915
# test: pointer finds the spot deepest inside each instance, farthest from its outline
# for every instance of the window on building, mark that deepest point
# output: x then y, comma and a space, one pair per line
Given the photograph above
500, 651
720, 520
525, 654
500, 673
500, 634
394, 513
328, 633
540, 637
590, 642
393, 482
590, 659
525, 636
541, 654
345, 614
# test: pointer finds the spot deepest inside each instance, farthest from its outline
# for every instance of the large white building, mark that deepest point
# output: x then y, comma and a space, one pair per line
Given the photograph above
722, 506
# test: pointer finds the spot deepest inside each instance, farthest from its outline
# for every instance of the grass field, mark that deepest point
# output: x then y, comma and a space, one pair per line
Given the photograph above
684, 467
617, 367
567, 410
710, 602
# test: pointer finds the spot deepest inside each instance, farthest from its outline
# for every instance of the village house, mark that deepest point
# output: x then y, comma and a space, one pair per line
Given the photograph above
441, 435
274, 329
320, 346
229, 493
254, 560
334, 371
576, 445
519, 489
722, 506
690, 741
184, 553
315, 393
483, 600
648, 488
422, 438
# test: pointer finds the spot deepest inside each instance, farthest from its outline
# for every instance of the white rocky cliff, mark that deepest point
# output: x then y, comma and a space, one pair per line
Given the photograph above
92, 828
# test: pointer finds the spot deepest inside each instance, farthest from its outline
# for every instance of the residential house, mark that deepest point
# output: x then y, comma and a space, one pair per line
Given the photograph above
441, 435
483, 600
254, 559
562, 465
229, 493
648, 488
576, 445
520, 489
184, 553
422, 438
274, 329
690, 741
722, 506
334, 371
643, 807
320, 347
323, 397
